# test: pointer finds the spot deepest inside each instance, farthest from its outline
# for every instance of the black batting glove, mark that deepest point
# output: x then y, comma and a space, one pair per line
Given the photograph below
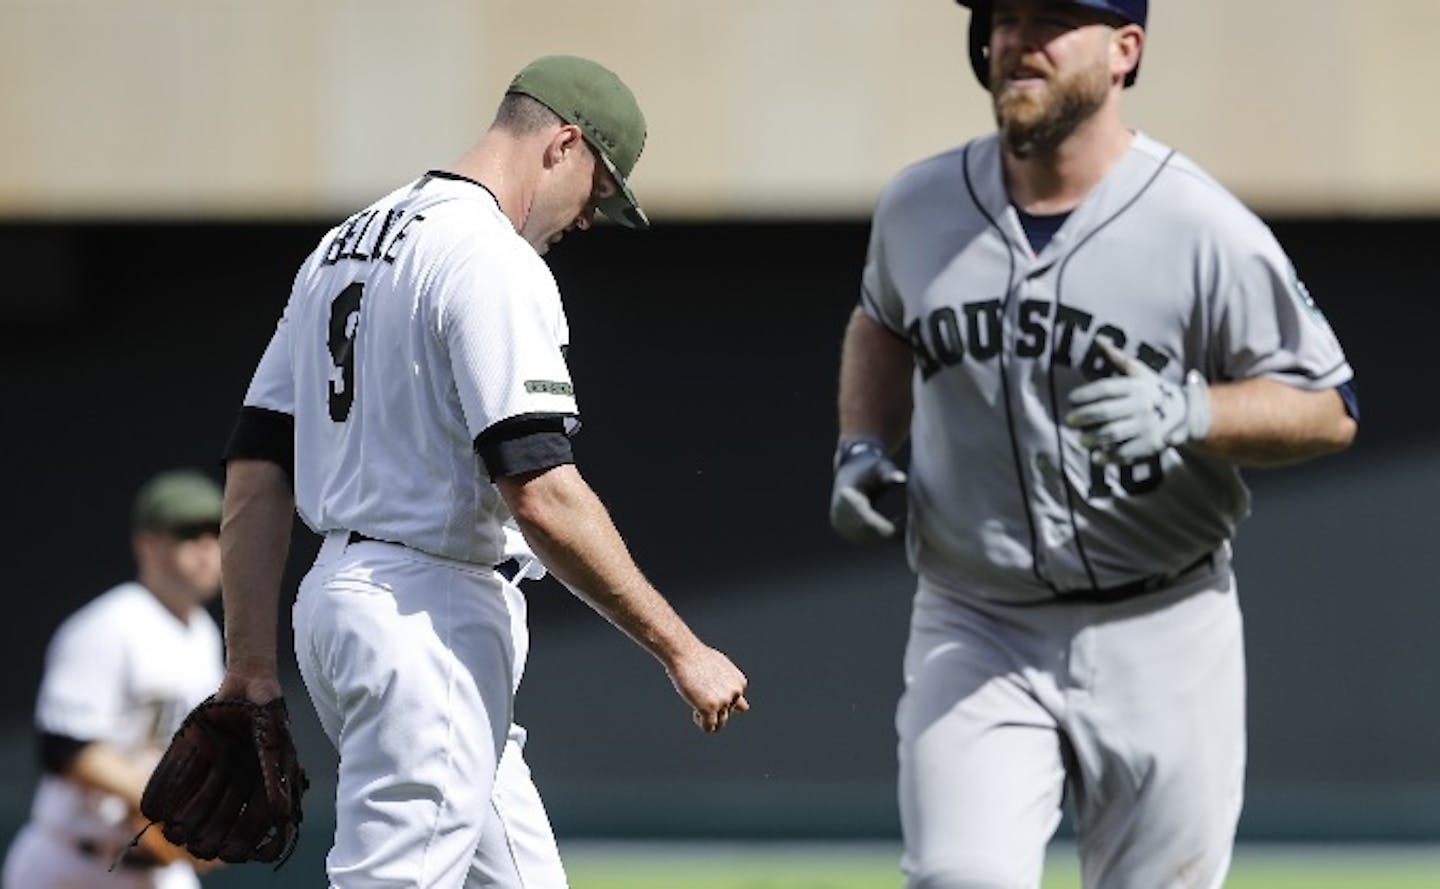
863, 472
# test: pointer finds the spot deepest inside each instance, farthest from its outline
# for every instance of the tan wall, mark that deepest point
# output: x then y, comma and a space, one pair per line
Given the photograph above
223, 107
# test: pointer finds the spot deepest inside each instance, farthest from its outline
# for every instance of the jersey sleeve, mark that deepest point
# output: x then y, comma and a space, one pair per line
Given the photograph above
265, 426
1267, 324
272, 387
83, 682
501, 321
878, 296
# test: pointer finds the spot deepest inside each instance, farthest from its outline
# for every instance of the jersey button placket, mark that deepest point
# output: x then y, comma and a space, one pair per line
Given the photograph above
1014, 382
1052, 530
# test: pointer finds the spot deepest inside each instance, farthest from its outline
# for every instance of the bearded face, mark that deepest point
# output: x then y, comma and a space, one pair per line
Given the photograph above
1038, 107
1052, 67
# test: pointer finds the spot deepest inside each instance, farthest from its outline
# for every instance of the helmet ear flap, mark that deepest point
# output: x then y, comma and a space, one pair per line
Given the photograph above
980, 43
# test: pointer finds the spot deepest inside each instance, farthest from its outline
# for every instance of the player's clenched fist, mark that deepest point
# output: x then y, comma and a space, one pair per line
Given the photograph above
863, 472
712, 685
1137, 414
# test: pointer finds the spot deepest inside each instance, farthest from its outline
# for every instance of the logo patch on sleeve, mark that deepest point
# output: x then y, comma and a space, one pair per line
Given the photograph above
548, 387
1307, 302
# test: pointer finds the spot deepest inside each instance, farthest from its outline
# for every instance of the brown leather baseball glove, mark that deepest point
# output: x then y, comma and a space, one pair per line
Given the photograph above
229, 786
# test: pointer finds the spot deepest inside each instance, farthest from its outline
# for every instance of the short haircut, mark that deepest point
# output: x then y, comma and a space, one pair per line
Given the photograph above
522, 115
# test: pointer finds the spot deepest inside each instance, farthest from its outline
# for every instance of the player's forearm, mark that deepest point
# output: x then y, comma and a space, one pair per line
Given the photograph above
101, 767
572, 533
875, 372
254, 544
1263, 422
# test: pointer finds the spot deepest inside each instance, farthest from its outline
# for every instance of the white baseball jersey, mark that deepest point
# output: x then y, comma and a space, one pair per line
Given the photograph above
1160, 260
395, 352
420, 331
122, 670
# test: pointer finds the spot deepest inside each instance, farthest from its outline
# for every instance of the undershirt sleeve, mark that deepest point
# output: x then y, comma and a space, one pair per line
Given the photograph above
1350, 394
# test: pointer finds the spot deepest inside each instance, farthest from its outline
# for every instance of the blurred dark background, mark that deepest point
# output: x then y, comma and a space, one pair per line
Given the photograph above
705, 358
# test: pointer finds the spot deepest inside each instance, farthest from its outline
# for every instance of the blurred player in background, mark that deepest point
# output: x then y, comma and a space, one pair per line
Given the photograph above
119, 676
416, 395
1083, 336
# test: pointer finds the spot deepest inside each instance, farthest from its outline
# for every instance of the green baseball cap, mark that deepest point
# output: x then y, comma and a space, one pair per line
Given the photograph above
181, 500
590, 96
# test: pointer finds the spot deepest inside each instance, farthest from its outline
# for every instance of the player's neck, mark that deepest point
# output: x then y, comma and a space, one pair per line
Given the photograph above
1056, 181
497, 162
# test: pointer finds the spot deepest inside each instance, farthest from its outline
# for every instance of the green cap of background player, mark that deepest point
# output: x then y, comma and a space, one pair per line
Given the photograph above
179, 501
591, 97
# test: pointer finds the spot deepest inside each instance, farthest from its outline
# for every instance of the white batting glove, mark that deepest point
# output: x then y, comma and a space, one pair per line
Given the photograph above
1138, 414
863, 472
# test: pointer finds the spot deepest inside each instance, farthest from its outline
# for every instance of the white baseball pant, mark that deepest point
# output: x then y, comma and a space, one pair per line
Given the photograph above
412, 661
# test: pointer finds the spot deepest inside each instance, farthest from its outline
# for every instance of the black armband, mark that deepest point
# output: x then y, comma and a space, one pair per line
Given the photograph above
263, 434
58, 752
525, 443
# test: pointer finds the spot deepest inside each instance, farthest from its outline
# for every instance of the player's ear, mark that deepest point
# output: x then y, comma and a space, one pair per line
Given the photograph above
1126, 44
563, 142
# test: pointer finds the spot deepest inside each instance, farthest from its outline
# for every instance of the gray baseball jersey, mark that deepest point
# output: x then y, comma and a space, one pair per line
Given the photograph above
1160, 260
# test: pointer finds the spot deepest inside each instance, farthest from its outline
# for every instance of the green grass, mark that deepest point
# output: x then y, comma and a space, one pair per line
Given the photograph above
659, 866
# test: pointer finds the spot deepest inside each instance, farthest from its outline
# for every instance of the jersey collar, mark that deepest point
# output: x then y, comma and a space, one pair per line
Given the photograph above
456, 177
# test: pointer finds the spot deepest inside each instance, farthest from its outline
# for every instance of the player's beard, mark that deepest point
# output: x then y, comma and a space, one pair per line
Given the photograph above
1035, 122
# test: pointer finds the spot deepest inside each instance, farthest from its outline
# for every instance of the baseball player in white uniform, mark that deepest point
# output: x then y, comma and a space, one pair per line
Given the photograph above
417, 396
1083, 336
120, 674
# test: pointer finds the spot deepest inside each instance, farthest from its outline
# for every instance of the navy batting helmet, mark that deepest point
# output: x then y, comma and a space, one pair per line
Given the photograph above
1132, 11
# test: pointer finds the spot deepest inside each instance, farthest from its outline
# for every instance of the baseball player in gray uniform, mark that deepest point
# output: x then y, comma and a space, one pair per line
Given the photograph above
1084, 337
416, 396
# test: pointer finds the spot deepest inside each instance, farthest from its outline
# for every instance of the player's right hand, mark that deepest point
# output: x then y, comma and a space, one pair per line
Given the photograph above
1136, 414
712, 686
863, 472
